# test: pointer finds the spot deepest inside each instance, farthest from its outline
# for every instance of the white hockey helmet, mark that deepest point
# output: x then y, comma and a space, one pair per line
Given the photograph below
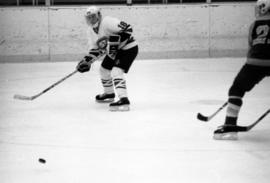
93, 16
262, 7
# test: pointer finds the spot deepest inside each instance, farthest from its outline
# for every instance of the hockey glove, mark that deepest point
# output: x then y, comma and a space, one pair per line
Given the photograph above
84, 65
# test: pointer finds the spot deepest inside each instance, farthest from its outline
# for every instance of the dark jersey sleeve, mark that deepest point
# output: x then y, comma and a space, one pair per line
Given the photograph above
251, 27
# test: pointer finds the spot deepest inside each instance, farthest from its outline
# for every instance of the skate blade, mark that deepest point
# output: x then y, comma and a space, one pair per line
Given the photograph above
226, 136
105, 101
119, 108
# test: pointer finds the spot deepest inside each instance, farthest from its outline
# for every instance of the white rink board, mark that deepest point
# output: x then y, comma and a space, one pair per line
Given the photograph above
163, 31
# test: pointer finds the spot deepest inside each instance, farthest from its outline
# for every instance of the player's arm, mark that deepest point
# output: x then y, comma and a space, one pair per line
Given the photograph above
99, 49
250, 39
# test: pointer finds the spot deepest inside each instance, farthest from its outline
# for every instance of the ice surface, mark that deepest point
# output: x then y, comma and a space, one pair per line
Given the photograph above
158, 141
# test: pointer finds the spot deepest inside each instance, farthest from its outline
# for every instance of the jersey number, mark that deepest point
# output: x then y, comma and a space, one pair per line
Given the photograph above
262, 32
123, 25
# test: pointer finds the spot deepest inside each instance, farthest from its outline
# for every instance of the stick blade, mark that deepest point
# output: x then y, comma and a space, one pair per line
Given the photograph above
21, 97
202, 117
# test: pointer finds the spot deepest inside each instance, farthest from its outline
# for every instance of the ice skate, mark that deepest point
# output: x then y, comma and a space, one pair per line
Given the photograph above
105, 98
226, 132
121, 105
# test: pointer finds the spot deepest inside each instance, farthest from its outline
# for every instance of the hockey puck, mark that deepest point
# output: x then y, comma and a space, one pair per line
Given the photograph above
42, 160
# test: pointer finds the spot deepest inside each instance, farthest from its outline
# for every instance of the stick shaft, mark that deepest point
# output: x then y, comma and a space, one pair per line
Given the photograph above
219, 109
21, 97
258, 120
58, 82
55, 84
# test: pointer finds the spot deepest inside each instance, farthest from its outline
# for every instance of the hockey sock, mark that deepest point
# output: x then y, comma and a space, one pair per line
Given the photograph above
106, 80
119, 82
107, 85
233, 109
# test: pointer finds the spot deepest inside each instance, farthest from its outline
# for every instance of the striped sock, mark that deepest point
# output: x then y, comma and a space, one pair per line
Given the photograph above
233, 109
107, 85
120, 87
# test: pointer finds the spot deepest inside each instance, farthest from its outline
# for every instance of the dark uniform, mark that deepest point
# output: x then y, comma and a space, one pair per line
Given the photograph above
258, 59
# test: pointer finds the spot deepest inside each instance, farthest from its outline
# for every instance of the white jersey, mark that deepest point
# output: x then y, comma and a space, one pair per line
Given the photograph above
111, 26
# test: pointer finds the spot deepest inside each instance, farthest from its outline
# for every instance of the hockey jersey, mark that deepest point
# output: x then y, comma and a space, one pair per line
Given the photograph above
259, 42
110, 26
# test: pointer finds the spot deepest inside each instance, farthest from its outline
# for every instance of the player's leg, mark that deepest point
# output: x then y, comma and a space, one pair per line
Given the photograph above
120, 87
106, 80
124, 60
245, 80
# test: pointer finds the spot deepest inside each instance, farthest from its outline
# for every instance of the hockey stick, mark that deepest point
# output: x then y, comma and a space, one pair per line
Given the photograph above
208, 118
249, 127
22, 97
95, 54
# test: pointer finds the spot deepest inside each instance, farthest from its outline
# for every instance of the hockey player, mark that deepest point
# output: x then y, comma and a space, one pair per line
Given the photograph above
256, 68
114, 38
